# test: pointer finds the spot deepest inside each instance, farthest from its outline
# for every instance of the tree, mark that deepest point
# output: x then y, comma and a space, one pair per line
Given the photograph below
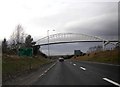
29, 41
95, 49
99, 48
117, 46
18, 35
4, 45
17, 39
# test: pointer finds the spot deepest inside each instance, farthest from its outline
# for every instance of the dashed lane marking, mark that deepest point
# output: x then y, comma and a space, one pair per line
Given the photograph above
108, 80
83, 68
74, 64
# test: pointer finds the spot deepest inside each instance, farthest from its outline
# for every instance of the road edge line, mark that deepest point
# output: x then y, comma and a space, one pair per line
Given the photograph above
47, 70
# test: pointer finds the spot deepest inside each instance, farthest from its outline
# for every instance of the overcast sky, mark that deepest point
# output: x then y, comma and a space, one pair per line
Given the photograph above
96, 17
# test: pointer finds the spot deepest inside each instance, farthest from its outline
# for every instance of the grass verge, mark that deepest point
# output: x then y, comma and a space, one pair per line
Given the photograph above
111, 57
13, 65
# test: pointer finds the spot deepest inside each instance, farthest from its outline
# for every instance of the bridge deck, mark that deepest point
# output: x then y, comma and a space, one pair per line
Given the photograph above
71, 42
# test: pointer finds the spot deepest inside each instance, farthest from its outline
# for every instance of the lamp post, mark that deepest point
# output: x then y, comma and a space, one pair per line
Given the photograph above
48, 42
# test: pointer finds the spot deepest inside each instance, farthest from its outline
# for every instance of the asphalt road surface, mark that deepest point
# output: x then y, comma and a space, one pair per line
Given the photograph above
80, 73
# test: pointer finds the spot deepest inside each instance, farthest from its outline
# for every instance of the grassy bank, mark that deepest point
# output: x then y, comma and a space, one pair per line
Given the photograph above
111, 57
13, 65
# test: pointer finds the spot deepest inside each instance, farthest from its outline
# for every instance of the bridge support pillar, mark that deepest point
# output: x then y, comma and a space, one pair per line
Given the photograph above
103, 46
36, 49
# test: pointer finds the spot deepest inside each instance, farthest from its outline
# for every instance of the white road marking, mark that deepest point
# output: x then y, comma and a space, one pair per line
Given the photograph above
41, 75
47, 70
115, 83
83, 68
74, 64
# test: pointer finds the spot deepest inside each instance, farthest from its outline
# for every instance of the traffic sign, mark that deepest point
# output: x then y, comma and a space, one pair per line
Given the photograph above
25, 52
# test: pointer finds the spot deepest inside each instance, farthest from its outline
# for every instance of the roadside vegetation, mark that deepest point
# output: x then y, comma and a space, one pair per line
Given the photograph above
17, 59
13, 65
108, 56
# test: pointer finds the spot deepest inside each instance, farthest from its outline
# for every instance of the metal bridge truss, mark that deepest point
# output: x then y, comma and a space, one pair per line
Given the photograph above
71, 38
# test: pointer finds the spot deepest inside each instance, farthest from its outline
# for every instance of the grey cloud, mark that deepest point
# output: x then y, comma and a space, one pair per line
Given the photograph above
80, 12
102, 26
98, 19
68, 48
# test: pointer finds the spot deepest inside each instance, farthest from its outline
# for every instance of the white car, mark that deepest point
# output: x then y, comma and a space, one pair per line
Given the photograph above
61, 59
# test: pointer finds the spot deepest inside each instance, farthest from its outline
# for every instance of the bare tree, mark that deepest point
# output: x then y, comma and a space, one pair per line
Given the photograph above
19, 34
18, 37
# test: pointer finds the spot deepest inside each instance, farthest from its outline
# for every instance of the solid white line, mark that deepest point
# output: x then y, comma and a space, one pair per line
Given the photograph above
41, 75
74, 64
45, 71
48, 69
115, 83
83, 68
52, 65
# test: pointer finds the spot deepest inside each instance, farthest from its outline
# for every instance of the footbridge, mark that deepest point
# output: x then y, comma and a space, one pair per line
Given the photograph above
61, 38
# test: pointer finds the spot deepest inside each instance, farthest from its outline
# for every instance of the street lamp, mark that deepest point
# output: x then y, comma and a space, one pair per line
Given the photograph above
48, 42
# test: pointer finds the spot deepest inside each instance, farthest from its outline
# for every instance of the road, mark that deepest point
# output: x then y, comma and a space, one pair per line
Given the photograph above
80, 73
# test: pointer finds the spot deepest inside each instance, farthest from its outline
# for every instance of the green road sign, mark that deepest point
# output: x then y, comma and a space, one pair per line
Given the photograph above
25, 52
